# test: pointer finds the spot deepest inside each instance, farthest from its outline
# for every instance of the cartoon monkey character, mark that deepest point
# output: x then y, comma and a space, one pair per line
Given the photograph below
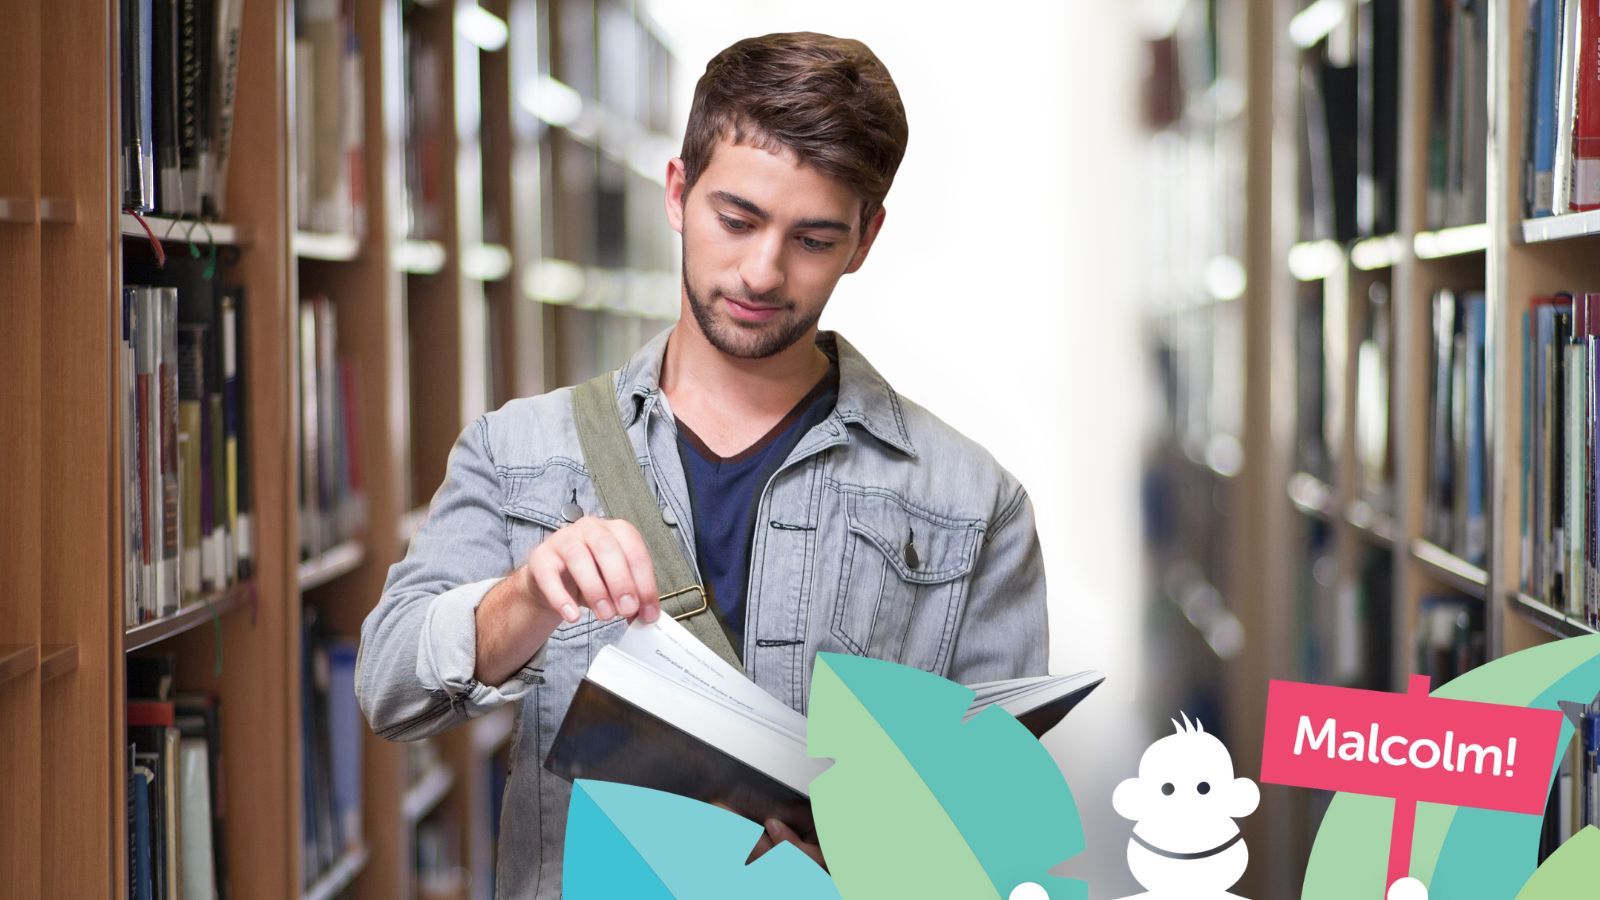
1185, 843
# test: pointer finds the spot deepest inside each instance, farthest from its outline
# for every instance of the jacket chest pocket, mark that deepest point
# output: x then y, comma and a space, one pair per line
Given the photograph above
534, 509
902, 581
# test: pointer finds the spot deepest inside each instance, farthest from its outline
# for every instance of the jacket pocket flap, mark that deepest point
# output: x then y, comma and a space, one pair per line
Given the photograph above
529, 514
922, 548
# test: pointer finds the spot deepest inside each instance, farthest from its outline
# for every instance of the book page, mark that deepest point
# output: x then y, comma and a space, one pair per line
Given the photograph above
669, 650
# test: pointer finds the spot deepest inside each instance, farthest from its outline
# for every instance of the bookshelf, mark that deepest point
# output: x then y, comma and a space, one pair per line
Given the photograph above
435, 327
1351, 570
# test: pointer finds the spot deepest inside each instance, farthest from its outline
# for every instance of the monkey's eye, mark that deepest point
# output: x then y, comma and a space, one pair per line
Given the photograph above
1203, 787
1168, 789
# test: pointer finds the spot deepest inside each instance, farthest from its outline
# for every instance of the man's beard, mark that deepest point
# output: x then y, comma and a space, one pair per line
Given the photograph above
747, 340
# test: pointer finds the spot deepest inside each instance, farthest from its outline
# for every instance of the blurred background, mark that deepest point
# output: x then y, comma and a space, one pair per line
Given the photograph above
1279, 309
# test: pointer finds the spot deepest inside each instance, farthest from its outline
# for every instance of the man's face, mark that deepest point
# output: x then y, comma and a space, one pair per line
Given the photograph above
765, 239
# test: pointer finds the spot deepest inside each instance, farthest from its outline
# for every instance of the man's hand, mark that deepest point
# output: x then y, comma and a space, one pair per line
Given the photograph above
777, 833
597, 563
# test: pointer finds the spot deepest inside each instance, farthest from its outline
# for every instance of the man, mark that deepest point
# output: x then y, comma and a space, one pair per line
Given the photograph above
824, 511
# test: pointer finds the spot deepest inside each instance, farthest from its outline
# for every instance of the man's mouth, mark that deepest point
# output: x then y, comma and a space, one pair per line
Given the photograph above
750, 312
1173, 854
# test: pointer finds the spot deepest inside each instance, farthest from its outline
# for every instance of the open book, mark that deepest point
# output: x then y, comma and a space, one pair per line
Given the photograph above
659, 710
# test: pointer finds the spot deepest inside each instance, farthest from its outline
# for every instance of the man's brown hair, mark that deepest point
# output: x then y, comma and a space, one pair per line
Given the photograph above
827, 99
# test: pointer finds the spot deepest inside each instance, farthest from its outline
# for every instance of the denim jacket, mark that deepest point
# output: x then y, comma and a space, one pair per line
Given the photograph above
828, 572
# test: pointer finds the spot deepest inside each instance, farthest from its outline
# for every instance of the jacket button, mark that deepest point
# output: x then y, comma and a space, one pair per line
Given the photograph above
571, 511
667, 516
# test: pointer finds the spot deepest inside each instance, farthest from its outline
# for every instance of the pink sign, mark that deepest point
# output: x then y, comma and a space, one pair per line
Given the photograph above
1411, 747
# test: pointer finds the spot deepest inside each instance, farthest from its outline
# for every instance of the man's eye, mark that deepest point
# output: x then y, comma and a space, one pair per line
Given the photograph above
816, 245
734, 224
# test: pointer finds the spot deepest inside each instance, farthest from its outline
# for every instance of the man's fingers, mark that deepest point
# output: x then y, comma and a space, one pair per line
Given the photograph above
780, 832
553, 589
580, 565
614, 570
632, 546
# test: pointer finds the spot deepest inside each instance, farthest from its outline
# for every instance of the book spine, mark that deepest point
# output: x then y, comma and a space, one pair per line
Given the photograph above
147, 336
129, 435
329, 489
138, 113
230, 15
1525, 545
1441, 475
164, 67
171, 487
1573, 470
1476, 547
1566, 107
1586, 115
351, 112
230, 427
190, 88
1560, 584
310, 440
1544, 106
243, 493
191, 339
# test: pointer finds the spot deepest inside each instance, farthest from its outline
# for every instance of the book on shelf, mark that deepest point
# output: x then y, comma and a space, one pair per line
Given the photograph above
332, 494
1559, 560
330, 178
1378, 38
330, 748
179, 67
184, 532
1561, 142
1458, 122
425, 169
1457, 497
1374, 455
176, 803
657, 709
137, 106
1312, 454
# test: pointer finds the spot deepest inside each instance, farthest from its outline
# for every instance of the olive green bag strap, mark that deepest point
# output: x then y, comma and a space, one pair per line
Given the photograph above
623, 492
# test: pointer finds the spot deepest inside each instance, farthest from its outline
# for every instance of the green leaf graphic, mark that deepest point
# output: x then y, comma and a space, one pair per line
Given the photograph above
625, 841
920, 804
1569, 872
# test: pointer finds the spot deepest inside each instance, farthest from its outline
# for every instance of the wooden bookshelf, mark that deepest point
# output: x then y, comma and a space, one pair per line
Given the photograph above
191, 615
1344, 522
438, 330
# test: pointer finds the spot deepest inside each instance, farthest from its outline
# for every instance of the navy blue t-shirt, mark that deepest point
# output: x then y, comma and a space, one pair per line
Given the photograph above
724, 491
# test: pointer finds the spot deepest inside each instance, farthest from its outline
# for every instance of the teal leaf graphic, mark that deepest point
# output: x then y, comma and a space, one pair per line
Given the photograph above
625, 841
920, 804
1457, 851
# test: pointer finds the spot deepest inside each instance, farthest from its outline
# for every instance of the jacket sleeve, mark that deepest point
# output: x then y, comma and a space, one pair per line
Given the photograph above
414, 670
1003, 631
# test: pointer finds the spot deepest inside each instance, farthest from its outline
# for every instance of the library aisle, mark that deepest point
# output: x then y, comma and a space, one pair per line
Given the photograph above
1283, 311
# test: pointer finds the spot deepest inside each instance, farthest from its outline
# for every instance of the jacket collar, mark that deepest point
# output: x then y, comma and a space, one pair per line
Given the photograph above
865, 398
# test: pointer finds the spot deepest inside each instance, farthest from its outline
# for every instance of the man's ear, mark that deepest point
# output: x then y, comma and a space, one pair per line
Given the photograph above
1243, 798
1131, 799
677, 193
867, 237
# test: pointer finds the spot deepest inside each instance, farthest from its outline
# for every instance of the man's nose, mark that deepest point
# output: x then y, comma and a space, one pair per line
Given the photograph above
762, 268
